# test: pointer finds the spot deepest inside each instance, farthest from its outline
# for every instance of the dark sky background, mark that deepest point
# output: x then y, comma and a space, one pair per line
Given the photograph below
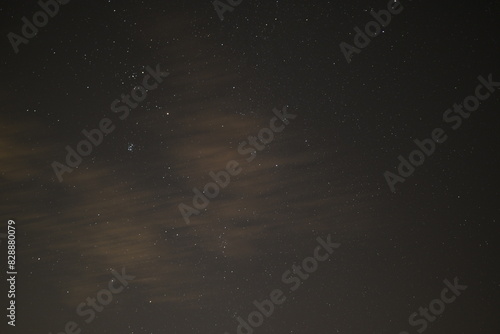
322, 175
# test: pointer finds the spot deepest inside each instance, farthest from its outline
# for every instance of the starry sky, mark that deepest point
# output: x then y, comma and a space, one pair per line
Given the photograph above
322, 175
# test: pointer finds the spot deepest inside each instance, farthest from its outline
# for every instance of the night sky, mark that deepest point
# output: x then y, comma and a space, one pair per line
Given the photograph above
340, 122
